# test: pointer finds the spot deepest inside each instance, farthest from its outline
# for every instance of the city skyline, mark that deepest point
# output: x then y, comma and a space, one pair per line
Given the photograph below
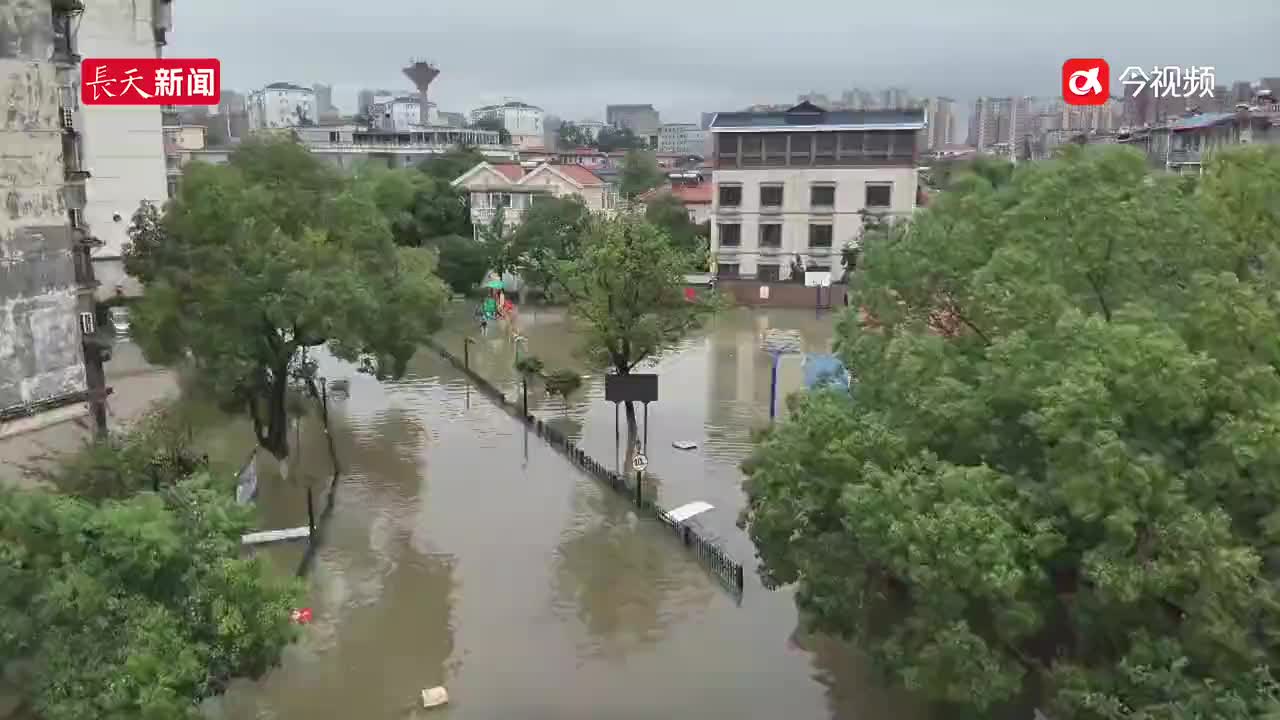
631, 56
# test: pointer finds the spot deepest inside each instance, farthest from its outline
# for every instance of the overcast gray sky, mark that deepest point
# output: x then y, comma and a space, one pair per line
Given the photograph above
572, 57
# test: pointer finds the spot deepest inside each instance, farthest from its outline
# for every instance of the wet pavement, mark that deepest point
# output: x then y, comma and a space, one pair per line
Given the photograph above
465, 552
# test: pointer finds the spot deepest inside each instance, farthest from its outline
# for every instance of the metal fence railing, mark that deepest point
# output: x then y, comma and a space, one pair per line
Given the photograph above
727, 570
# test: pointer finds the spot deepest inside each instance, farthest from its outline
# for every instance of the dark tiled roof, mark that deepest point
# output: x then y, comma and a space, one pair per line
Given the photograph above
809, 114
285, 86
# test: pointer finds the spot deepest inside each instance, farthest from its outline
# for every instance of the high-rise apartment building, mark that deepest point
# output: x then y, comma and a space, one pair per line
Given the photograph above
942, 122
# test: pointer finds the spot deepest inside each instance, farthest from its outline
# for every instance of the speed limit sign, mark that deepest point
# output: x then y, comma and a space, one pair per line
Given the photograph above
639, 462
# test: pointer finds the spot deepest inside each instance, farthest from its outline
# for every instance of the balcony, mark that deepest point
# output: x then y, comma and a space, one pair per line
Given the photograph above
83, 263
1184, 157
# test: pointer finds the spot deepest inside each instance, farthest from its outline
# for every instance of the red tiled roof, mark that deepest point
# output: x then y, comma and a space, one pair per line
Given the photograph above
693, 194
512, 172
580, 174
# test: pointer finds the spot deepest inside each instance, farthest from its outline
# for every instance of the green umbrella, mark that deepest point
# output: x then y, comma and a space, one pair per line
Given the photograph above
495, 284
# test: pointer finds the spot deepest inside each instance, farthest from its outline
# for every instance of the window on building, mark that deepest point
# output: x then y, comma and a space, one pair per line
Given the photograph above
775, 149
771, 196
752, 150
771, 235
173, 188
801, 149
822, 196
851, 144
727, 270
730, 234
333, 136
820, 236
768, 273
730, 195
879, 195
877, 144
824, 151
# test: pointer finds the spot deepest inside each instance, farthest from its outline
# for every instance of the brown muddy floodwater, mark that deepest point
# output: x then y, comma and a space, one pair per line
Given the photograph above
464, 552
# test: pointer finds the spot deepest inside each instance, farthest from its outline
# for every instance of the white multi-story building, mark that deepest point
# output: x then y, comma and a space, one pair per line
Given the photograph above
348, 145
398, 114
796, 184
942, 122
281, 105
681, 138
590, 128
523, 121
123, 146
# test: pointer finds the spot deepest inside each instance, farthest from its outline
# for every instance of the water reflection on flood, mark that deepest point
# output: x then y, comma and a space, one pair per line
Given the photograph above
464, 553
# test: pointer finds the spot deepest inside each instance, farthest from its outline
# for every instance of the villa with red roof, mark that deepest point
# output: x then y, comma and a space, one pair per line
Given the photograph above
696, 198
515, 189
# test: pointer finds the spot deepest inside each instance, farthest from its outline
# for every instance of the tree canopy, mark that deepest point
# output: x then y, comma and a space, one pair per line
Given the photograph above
569, 135
418, 205
271, 254
451, 165
668, 213
640, 172
625, 287
611, 139
551, 233
129, 604
1069, 484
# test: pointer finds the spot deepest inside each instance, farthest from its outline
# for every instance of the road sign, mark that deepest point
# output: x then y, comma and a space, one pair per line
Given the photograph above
639, 462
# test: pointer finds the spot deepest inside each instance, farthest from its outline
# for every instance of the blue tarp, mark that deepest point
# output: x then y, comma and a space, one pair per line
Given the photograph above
822, 369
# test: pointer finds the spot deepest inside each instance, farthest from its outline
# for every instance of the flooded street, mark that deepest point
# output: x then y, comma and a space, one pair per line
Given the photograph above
464, 552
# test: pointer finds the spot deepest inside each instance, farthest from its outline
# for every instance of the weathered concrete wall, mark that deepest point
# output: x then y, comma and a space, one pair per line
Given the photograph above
123, 146
41, 356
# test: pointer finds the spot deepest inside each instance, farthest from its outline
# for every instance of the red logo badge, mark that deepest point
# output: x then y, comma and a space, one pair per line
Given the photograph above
150, 81
1086, 81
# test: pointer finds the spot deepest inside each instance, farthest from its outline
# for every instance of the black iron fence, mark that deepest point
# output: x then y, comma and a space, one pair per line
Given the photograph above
725, 568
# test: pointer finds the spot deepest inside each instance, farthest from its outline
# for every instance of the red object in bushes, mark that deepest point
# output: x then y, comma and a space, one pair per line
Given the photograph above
302, 617
690, 294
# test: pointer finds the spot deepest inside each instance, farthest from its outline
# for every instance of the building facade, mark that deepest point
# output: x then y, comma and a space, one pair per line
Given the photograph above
123, 146
642, 120
794, 185
523, 121
281, 105
50, 360
399, 114
347, 145
515, 188
681, 138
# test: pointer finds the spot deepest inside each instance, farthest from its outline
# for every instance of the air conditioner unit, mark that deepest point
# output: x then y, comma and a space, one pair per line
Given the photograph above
86, 323
68, 119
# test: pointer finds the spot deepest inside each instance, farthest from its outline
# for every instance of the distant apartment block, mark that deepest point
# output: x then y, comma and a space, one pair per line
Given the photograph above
681, 139
281, 105
1184, 144
523, 121
942, 122
642, 120
1000, 124
346, 145
795, 184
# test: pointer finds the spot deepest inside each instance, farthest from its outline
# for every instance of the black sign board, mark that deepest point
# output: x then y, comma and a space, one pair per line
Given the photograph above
631, 388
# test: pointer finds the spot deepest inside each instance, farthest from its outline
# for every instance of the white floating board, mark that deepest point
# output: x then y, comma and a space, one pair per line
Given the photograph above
688, 510
270, 536
684, 445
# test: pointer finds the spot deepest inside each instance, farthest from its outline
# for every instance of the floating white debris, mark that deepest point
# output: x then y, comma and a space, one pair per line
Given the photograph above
435, 697
688, 510
684, 445
270, 536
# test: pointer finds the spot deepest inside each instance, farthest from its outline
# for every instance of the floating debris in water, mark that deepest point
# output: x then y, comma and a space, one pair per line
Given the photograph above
435, 697
684, 445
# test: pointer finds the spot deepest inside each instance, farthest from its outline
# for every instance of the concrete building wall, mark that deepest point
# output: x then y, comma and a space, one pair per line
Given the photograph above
123, 145
281, 107
41, 356
795, 215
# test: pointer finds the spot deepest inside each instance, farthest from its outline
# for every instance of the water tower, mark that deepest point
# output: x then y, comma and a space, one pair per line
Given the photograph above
421, 73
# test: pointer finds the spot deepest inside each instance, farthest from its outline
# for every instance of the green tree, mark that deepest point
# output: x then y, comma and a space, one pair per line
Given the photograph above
610, 139
418, 206
137, 607
463, 261
267, 256
551, 233
1069, 484
570, 135
451, 165
640, 172
625, 288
